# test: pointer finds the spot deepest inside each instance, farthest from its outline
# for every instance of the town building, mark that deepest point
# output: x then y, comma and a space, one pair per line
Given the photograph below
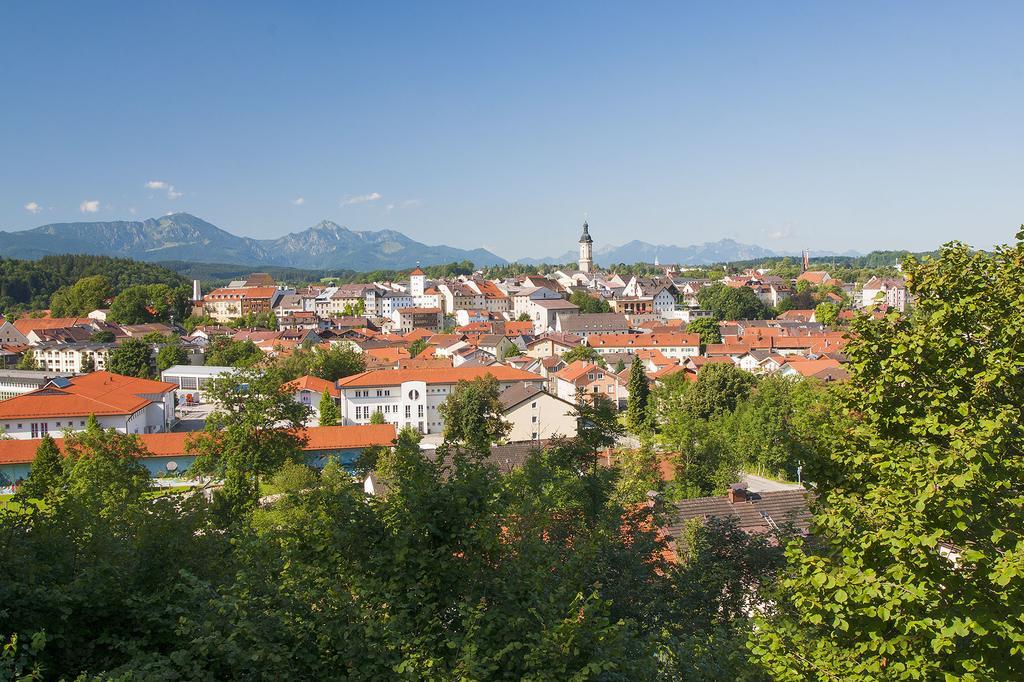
411, 397
535, 414
190, 380
586, 260
15, 382
126, 404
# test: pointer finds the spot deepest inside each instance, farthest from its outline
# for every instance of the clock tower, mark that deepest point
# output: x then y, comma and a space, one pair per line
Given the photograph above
586, 262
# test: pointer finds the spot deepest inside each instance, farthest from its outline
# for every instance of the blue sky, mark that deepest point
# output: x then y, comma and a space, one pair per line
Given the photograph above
869, 125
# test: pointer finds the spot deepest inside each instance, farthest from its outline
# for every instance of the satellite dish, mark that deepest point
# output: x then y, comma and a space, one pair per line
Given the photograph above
172, 466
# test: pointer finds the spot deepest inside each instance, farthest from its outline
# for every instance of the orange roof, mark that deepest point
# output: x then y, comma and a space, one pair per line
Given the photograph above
315, 384
21, 451
810, 367
576, 369
388, 354
417, 271
798, 315
812, 276
642, 340
99, 393
418, 333
27, 324
516, 328
445, 375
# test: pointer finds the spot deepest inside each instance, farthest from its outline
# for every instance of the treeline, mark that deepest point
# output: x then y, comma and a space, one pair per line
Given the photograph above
30, 284
219, 274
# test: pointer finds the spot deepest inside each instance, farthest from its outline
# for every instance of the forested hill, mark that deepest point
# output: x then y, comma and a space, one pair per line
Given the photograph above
29, 284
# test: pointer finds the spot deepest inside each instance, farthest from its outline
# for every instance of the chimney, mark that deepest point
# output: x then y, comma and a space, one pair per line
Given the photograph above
737, 493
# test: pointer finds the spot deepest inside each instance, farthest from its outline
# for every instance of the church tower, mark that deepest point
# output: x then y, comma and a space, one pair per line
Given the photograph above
586, 262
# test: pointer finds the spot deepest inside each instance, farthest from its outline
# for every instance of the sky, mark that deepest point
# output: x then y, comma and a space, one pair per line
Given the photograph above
830, 126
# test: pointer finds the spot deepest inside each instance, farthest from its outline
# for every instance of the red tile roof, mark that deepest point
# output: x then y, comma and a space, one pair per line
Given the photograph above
21, 451
642, 340
314, 384
27, 324
392, 377
99, 393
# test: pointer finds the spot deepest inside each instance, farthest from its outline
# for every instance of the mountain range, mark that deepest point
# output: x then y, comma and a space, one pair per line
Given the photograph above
181, 236
326, 245
636, 251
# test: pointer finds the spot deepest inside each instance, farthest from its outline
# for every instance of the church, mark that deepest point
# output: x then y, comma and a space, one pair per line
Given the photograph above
586, 261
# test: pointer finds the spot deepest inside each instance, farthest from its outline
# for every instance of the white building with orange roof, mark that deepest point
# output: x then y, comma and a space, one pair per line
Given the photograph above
674, 345
411, 397
125, 404
226, 304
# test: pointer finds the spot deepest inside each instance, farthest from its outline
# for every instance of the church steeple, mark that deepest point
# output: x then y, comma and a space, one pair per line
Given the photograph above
586, 262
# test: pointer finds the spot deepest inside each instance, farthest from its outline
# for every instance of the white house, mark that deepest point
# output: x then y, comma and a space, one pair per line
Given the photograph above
411, 397
892, 292
71, 357
189, 380
126, 404
535, 414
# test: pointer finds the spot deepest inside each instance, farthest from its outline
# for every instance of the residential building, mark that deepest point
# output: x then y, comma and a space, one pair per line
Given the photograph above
19, 381
585, 324
590, 379
544, 312
189, 381
407, 319
887, 291
674, 345
71, 357
309, 390
226, 304
411, 397
126, 404
535, 414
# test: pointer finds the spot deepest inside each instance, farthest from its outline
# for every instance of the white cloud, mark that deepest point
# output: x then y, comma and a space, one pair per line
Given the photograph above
361, 198
299, 201
161, 185
89, 206
133, 210
33, 207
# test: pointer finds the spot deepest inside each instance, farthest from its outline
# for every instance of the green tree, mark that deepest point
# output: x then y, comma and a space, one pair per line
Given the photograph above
620, 366
472, 415
827, 314
732, 303
131, 358
249, 435
639, 391
171, 354
47, 476
417, 347
88, 362
28, 361
511, 351
102, 336
224, 352
131, 306
82, 297
707, 328
330, 413
917, 572
378, 417
719, 388
584, 352
336, 362
589, 304
523, 317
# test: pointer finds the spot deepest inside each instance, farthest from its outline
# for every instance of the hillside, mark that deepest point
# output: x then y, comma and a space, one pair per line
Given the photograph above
184, 237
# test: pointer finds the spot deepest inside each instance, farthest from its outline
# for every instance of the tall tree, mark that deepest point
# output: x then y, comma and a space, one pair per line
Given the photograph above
171, 354
46, 476
917, 571
249, 435
583, 352
826, 313
472, 415
639, 391
131, 358
330, 413
732, 303
707, 328
82, 297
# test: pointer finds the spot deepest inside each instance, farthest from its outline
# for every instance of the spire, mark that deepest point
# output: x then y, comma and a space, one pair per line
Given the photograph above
586, 238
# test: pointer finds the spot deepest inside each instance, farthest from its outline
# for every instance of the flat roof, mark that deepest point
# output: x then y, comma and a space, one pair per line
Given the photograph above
197, 370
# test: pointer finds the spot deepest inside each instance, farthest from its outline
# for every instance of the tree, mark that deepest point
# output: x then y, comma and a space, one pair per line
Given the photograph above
826, 314
171, 354
224, 352
81, 298
88, 362
620, 366
330, 413
584, 352
28, 360
707, 328
639, 390
47, 476
719, 388
732, 303
588, 303
472, 415
130, 306
378, 418
916, 569
511, 351
417, 347
131, 358
102, 336
523, 317
336, 362
249, 435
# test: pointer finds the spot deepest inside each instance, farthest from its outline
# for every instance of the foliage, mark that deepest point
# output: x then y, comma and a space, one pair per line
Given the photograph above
265, 320
249, 435
225, 352
708, 329
171, 354
46, 477
82, 297
584, 352
639, 390
931, 466
330, 413
378, 417
102, 336
827, 314
588, 303
417, 347
131, 358
511, 351
329, 364
719, 388
143, 303
732, 303
472, 415
31, 284
28, 361
523, 317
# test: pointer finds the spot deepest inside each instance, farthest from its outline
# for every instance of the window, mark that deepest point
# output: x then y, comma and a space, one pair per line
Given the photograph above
35, 430
534, 404
534, 419
379, 393
414, 394
611, 388
590, 376
408, 411
596, 389
421, 412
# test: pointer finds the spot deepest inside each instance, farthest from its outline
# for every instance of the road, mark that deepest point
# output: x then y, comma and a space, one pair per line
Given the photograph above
760, 484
